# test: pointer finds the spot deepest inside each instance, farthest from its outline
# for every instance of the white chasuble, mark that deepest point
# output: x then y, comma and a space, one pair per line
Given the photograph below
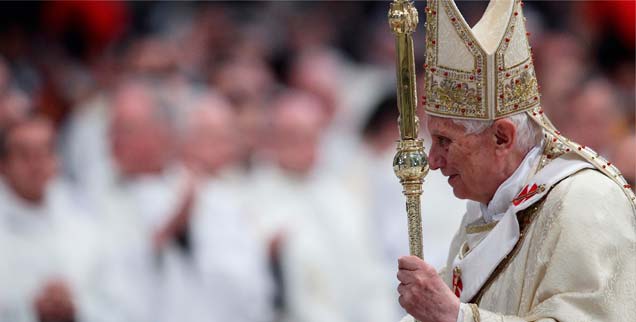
564, 250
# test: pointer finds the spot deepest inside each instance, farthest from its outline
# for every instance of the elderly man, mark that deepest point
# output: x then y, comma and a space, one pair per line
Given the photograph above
549, 234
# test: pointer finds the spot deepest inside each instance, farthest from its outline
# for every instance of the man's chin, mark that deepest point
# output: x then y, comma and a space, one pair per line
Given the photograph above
458, 191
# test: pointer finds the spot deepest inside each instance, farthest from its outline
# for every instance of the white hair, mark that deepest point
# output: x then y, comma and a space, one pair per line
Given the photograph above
529, 134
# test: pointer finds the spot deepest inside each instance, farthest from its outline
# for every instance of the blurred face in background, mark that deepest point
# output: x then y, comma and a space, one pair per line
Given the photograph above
595, 118
140, 140
297, 125
30, 161
318, 72
210, 139
246, 83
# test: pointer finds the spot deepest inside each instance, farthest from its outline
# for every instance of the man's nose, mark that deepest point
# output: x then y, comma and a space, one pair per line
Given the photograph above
435, 159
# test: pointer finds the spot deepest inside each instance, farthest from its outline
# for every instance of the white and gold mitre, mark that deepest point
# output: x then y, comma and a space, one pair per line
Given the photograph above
484, 72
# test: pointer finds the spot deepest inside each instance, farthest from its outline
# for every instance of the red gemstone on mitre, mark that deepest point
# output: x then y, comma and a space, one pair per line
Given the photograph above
425, 65
478, 70
434, 12
516, 13
528, 34
459, 85
433, 69
526, 66
501, 96
554, 140
507, 39
453, 19
516, 106
463, 110
436, 106
479, 98
433, 41
507, 74
471, 77
536, 98
541, 112
445, 73
609, 163
517, 81
470, 44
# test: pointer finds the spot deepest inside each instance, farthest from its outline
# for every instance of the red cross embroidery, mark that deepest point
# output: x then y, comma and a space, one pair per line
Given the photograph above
458, 286
525, 194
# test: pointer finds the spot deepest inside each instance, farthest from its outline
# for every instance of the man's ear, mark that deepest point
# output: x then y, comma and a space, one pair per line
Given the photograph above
505, 135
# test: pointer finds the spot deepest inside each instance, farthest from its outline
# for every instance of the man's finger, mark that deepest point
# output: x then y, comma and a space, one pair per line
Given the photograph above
401, 289
402, 301
405, 276
410, 263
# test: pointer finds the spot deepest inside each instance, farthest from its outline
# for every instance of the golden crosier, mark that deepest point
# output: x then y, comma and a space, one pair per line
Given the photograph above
410, 163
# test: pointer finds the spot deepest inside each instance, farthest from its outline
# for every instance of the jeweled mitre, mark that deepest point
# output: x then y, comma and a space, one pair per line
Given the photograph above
484, 72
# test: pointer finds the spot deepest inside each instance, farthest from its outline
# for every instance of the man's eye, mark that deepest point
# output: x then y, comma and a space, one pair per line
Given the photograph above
442, 141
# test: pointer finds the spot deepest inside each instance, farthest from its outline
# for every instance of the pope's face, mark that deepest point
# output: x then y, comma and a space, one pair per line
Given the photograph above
469, 161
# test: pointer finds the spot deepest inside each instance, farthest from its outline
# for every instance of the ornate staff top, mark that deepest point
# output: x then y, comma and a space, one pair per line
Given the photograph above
403, 20
410, 163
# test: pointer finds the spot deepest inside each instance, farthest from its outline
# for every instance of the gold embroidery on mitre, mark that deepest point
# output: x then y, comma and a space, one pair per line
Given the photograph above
456, 93
516, 87
450, 91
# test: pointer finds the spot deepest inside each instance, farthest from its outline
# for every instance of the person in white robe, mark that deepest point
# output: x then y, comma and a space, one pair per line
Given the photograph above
157, 194
314, 225
230, 260
51, 256
550, 231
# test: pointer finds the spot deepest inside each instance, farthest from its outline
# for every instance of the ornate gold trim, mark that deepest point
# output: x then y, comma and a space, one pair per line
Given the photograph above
591, 156
516, 87
448, 91
475, 310
474, 229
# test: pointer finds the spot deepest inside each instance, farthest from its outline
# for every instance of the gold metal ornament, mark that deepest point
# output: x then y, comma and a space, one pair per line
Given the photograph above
410, 163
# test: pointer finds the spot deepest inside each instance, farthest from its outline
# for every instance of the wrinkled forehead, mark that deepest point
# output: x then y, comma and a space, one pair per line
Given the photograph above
435, 125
